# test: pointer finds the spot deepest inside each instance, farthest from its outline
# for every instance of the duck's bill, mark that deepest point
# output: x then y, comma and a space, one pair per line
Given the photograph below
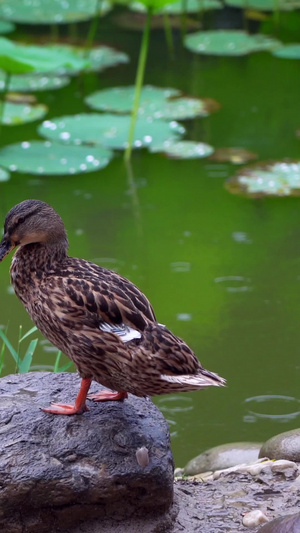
5, 247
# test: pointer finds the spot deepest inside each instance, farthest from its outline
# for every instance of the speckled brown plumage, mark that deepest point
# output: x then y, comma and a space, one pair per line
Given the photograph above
103, 322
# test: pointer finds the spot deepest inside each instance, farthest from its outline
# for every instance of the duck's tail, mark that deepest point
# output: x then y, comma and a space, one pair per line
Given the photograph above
204, 378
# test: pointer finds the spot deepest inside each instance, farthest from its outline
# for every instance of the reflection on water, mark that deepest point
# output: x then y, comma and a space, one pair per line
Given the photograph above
235, 283
272, 407
241, 236
180, 266
184, 316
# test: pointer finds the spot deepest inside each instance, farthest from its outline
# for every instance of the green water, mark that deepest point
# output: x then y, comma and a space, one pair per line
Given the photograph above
221, 271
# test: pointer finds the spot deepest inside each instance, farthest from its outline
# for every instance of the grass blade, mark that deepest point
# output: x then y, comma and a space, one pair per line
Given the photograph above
9, 346
24, 365
32, 330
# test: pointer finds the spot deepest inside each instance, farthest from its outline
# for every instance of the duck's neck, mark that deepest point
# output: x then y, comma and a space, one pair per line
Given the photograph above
43, 255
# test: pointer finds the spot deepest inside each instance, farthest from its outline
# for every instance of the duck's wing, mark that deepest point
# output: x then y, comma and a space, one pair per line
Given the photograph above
97, 297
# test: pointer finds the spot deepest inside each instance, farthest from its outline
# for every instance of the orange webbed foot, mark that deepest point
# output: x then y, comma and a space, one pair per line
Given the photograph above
107, 396
65, 409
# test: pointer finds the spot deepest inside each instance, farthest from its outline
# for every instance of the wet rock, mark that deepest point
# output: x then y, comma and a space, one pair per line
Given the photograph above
223, 456
59, 470
285, 524
283, 446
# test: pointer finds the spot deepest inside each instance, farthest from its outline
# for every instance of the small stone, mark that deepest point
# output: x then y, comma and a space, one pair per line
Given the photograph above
284, 466
223, 456
283, 446
254, 518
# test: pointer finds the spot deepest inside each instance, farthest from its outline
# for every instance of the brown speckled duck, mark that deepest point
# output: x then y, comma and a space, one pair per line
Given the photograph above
103, 322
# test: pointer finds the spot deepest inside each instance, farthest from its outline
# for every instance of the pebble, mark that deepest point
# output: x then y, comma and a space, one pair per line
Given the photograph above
254, 518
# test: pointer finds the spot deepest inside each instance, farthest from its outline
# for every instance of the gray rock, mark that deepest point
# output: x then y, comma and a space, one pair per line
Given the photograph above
58, 470
283, 446
224, 456
285, 524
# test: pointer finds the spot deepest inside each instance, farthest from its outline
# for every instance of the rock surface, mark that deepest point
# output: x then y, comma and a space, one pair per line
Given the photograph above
283, 446
285, 524
58, 470
224, 456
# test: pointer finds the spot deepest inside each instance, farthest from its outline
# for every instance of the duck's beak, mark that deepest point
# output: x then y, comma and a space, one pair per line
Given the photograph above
5, 247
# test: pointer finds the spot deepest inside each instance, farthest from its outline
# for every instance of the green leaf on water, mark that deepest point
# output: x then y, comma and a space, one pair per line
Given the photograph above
18, 113
288, 51
6, 27
4, 175
280, 178
177, 8
265, 5
16, 58
184, 149
229, 42
50, 11
33, 82
155, 102
46, 158
97, 58
109, 130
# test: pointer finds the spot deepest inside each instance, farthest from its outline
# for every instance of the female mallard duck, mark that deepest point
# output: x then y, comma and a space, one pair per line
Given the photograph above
103, 322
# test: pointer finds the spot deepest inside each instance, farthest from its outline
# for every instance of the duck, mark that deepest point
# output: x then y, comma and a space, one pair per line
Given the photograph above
99, 319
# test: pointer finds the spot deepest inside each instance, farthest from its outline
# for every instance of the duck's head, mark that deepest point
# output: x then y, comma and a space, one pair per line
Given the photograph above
32, 221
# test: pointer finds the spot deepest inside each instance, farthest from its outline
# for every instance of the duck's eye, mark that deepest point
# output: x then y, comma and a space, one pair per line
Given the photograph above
21, 220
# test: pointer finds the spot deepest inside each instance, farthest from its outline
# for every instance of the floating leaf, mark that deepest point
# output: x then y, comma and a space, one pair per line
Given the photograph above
97, 59
280, 178
288, 51
184, 149
4, 175
46, 158
228, 42
265, 5
177, 8
18, 58
109, 130
33, 82
155, 102
237, 156
18, 113
6, 27
50, 11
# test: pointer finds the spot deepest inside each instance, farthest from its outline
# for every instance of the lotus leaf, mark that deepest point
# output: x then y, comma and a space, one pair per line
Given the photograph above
33, 82
109, 130
18, 58
176, 8
265, 5
155, 102
19, 113
229, 42
6, 27
289, 51
47, 158
280, 178
50, 11
184, 149
4, 175
97, 59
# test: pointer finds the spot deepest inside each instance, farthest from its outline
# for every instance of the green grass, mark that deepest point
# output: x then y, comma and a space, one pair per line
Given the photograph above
23, 355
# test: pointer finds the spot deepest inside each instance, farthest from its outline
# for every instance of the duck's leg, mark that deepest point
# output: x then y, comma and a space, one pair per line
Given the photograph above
107, 396
78, 408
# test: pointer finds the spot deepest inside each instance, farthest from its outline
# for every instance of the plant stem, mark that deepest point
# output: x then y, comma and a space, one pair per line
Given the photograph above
139, 83
168, 34
93, 28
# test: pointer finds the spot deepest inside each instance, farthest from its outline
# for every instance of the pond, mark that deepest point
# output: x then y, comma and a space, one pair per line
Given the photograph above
221, 270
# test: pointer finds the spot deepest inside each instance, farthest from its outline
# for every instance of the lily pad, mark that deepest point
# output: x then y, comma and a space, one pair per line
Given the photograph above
19, 113
46, 158
288, 51
155, 102
177, 8
97, 59
280, 178
109, 130
50, 11
184, 149
34, 82
6, 27
265, 5
229, 42
16, 58
4, 175
237, 156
